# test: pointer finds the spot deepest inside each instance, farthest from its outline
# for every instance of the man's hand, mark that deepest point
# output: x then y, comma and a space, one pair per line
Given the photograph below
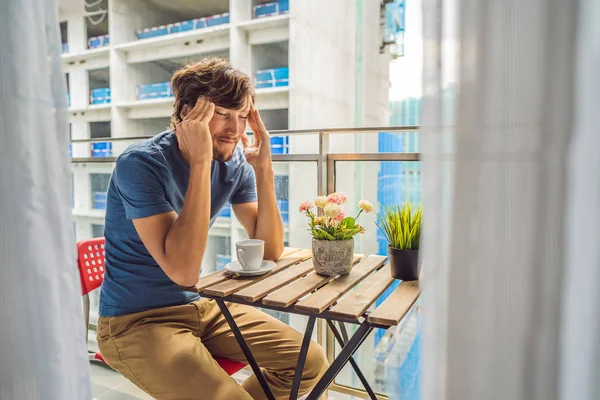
258, 154
193, 133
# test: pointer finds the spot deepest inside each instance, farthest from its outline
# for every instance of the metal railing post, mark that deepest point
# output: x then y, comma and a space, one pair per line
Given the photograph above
322, 163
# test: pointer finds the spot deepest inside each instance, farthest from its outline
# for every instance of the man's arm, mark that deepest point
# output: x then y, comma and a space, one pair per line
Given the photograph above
262, 219
178, 242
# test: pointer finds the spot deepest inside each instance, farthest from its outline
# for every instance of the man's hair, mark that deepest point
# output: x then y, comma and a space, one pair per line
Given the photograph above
214, 78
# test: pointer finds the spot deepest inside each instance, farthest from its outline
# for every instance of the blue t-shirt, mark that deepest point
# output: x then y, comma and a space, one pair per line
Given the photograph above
151, 177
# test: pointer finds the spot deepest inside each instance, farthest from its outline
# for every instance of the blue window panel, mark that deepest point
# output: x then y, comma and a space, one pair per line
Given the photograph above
71, 151
272, 84
65, 47
273, 77
98, 41
197, 23
218, 19
273, 8
222, 261
100, 96
225, 211
99, 201
284, 210
154, 91
152, 32
189, 25
273, 74
183, 26
280, 145
102, 149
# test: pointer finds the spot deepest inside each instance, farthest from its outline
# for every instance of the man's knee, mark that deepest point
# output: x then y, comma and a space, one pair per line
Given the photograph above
316, 363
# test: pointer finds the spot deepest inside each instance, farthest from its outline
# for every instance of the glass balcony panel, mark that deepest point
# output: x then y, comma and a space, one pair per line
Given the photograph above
376, 142
396, 371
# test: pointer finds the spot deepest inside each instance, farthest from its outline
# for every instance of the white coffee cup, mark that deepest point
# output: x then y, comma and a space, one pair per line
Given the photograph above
250, 253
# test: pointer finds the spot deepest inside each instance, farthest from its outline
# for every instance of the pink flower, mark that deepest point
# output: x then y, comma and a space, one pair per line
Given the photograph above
307, 205
337, 198
340, 217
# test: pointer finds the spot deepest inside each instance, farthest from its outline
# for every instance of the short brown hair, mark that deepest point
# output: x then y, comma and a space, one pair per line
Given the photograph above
214, 78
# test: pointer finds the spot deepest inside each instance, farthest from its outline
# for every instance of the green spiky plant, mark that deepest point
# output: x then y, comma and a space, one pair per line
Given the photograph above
401, 226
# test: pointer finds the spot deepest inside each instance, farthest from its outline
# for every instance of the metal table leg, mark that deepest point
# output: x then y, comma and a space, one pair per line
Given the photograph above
334, 369
343, 340
302, 357
344, 332
247, 353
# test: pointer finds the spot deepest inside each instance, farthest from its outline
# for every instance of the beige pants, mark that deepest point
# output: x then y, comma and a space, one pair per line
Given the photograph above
167, 352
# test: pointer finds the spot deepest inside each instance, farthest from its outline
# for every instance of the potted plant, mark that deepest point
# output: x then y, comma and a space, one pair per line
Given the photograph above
402, 228
333, 233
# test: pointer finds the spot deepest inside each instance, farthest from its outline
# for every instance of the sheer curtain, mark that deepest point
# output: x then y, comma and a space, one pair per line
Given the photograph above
511, 306
42, 343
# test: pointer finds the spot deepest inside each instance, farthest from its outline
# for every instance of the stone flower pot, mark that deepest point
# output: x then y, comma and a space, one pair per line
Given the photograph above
332, 257
404, 264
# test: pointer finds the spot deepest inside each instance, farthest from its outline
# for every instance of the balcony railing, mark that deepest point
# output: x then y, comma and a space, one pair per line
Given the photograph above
325, 160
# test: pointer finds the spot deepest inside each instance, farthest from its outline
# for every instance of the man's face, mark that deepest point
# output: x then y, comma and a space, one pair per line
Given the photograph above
226, 129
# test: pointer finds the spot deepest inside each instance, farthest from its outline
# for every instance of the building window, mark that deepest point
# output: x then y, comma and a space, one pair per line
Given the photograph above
222, 247
97, 230
101, 129
99, 185
225, 211
282, 190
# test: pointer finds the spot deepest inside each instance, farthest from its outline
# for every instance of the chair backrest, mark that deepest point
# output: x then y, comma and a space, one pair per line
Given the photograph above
90, 260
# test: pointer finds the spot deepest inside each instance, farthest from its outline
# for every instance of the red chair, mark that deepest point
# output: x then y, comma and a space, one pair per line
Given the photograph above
90, 261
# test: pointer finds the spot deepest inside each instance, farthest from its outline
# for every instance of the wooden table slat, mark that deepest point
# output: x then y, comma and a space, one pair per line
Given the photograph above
257, 291
220, 276
328, 294
360, 299
231, 286
299, 288
295, 290
395, 307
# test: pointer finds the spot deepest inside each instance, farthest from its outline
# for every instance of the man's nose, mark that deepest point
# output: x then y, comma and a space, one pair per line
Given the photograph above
233, 126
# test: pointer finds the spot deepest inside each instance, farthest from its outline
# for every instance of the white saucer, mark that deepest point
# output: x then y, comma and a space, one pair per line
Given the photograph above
236, 268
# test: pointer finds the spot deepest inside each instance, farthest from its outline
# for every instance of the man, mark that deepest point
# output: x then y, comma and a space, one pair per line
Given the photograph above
164, 195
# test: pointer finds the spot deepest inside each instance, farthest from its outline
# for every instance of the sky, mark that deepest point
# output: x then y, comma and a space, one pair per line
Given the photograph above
406, 74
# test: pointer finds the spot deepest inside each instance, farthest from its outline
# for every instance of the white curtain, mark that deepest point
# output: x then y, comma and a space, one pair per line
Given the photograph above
512, 195
580, 330
42, 343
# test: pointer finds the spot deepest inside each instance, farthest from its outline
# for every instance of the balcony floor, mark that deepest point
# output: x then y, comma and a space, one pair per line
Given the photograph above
110, 385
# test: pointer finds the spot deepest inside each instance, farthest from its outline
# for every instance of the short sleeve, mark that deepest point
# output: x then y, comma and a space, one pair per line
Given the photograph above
138, 182
246, 189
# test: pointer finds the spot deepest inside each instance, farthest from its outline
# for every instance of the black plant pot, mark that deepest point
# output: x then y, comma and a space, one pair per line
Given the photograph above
404, 264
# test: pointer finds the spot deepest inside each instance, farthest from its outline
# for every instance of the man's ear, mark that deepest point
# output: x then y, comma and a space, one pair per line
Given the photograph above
184, 110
